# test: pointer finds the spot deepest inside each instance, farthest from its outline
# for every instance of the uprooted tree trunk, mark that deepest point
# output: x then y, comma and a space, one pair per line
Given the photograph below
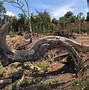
39, 49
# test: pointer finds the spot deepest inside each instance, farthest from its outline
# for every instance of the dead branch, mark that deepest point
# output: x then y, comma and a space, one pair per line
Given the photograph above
5, 81
12, 78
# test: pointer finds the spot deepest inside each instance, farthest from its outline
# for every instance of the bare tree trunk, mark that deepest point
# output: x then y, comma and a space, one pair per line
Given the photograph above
20, 4
29, 18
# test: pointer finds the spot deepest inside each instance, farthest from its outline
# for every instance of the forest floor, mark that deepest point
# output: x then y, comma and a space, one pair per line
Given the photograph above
48, 73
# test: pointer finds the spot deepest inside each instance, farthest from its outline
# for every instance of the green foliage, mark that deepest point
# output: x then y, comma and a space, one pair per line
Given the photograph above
27, 81
15, 65
55, 21
72, 19
41, 22
27, 72
76, 31
68, 14
20, 47
80, 17
14, 86
69, 17
27, 65
5, 71
2, 9
79, 85
41, 67
87, 16
62, 22
79, 31
83, 30
53, 80
0, 64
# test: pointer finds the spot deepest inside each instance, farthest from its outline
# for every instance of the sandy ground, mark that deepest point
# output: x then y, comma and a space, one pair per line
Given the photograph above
83, 39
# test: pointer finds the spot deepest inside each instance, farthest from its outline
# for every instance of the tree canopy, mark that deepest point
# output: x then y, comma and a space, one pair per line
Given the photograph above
2, 9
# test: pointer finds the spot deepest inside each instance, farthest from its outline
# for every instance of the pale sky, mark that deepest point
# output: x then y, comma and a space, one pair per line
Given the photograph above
56, 8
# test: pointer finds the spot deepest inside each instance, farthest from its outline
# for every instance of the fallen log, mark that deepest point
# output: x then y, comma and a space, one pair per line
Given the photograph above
12, 78
5, 81
39, 49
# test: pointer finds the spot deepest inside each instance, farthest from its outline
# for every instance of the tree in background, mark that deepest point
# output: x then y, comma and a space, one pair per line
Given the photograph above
87, 16
21, 5
41, 22
68, 14
71, 21
2, 12
21, 22
13, 24
62, 22
24, 7
70, 17
88, 10
54, 21
67, 18
80, 17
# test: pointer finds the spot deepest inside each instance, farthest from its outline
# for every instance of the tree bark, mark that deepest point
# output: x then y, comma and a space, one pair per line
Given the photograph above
5, 81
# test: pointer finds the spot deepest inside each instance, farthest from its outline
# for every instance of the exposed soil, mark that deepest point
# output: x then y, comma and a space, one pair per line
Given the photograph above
50, 74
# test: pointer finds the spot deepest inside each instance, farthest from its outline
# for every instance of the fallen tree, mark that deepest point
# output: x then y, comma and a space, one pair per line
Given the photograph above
36, 52
39, 49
